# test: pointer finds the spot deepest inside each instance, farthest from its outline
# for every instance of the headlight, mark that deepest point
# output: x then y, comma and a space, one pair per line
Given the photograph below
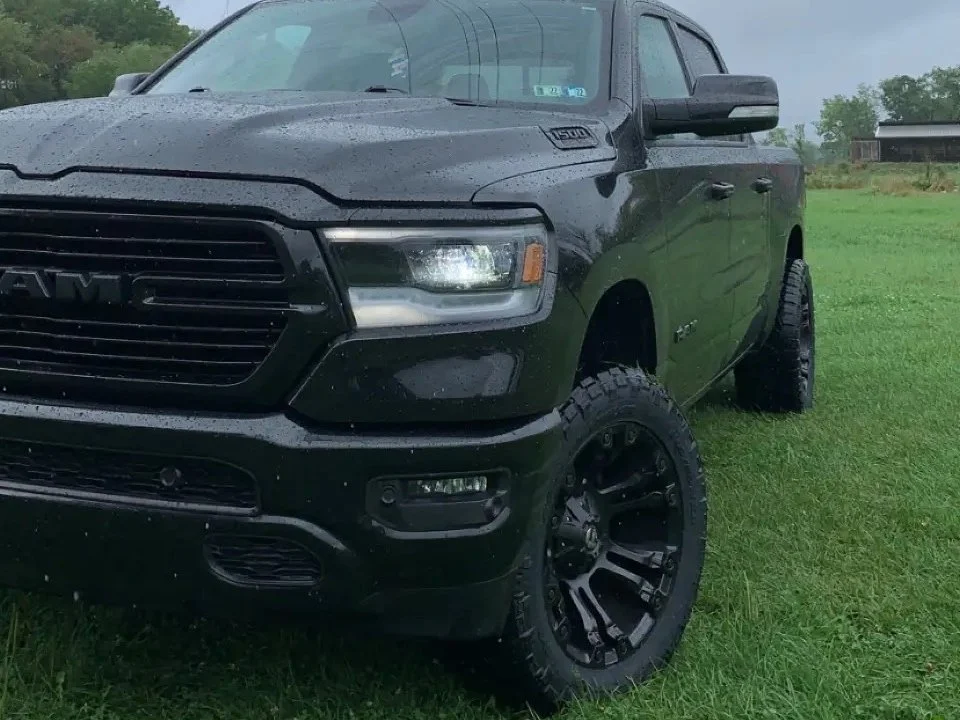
431, 276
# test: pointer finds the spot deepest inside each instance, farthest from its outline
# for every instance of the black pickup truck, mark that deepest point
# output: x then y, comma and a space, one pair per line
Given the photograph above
393, 308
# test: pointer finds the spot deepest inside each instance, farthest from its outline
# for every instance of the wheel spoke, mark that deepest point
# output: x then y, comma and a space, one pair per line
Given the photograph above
577, 510
640, 480
652, 555
609, 626
590, 627
647, 501
634, 493
641, 587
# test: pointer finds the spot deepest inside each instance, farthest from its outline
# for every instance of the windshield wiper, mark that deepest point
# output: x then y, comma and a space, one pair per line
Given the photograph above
465, 101
199, 90
385, 89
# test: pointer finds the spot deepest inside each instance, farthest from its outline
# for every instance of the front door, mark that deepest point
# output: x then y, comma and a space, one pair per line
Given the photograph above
747, 275
696, 215
697, 183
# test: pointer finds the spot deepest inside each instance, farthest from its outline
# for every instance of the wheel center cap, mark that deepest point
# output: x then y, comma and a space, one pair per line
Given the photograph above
591, 538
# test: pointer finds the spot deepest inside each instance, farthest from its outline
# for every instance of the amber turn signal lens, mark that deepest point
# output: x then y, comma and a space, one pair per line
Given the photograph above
533, 263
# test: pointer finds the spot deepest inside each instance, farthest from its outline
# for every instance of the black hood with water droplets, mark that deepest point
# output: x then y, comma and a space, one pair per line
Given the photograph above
355, 149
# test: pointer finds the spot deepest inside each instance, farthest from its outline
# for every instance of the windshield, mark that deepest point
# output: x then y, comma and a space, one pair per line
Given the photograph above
494, 51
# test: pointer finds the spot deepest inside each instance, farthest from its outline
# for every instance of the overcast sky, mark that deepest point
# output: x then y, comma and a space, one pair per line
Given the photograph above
814, 48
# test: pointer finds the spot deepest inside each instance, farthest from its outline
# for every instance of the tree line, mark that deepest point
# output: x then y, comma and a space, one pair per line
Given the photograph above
931, 97
59, 49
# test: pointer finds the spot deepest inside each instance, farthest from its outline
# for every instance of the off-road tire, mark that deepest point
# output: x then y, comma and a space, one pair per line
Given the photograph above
533, 665
779, 376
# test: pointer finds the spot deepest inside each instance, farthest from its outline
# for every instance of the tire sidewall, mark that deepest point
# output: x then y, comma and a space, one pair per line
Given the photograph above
810, 397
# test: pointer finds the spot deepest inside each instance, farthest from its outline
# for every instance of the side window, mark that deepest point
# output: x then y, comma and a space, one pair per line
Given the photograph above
702, 60
700, 55
661, 70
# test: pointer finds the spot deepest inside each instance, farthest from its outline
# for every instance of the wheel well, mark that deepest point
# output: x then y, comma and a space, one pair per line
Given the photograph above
795, 244
621, 332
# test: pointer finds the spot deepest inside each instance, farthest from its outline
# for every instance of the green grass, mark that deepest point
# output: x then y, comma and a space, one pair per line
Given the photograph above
832, 588
888, 178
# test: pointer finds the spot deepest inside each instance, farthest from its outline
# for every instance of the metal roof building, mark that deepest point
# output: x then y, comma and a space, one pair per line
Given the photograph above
919, 142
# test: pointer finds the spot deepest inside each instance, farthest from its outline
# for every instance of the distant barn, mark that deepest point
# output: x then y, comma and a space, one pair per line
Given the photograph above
911, 142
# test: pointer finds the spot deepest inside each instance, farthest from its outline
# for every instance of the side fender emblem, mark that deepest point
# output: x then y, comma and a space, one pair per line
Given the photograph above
572, 138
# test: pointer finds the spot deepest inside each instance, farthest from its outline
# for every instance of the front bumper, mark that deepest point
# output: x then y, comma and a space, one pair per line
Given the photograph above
313, 489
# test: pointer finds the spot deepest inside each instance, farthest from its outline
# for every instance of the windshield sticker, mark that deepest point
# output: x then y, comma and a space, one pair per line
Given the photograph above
559, 91
399, 63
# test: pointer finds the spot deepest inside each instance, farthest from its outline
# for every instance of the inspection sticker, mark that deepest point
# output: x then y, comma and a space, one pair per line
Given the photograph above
399, 63
559, 91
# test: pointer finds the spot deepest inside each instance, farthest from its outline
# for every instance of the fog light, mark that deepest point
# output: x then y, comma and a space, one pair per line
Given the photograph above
448, 487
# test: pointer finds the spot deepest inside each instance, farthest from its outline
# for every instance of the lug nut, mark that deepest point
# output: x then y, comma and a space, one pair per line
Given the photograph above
388, 497
606, 440
673, 497
661, 464
170, 477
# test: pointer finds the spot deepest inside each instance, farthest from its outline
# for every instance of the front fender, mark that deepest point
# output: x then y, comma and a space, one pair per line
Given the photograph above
609, 229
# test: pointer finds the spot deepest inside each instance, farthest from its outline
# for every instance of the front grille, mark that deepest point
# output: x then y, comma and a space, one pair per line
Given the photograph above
126, 475
202, 300
249, 560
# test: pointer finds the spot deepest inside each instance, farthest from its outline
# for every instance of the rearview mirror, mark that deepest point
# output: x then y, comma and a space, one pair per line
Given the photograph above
126, 84
719, 105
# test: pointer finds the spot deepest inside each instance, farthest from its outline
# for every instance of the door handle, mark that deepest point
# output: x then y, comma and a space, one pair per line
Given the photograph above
763, 185
722, 191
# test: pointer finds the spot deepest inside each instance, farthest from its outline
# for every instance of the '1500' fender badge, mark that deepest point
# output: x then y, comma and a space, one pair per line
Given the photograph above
572, 138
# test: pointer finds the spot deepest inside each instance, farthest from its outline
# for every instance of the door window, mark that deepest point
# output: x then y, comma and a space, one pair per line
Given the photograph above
699, 54
661, 70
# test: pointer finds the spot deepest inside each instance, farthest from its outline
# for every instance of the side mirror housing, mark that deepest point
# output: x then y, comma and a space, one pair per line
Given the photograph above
720, 105
126, 84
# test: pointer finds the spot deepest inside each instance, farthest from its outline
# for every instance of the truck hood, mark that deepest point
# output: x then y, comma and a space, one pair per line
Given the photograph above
350, 148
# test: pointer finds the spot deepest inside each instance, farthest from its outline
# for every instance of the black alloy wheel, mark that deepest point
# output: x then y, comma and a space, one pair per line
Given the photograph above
612, 565
614, 544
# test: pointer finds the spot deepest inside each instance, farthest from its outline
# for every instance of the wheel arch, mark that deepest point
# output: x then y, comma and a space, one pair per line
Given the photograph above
795, 249
621, 331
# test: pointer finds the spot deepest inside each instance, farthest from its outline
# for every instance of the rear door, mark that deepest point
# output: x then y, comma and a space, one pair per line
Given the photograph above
749, 265
695, 179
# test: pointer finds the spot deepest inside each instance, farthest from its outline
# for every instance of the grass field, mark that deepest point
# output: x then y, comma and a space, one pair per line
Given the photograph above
833, 581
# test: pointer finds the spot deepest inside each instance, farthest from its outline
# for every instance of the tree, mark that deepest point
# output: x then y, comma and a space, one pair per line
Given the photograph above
42, 13
907, 98
930, 97
52, 49
945, 83
844, 118
95, 77
805, 150
796, 140
122, 22
19, 73
778, 137
60, 50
